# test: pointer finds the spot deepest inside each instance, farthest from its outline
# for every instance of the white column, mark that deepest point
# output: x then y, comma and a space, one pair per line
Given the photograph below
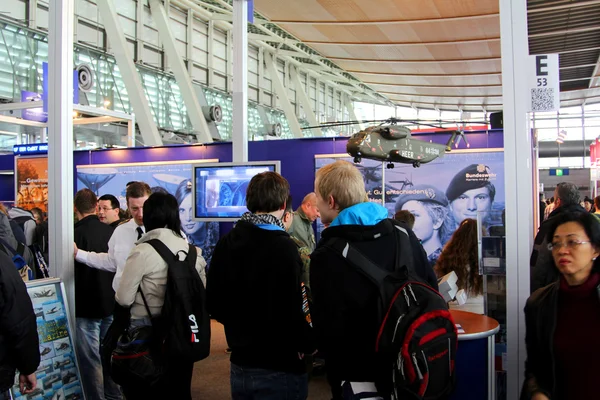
189, 48
280, 90
518, 180
131, 77
180, 71
305, 101
60, 146
139, 30
131, 131
210, 54
239, 135
32, 14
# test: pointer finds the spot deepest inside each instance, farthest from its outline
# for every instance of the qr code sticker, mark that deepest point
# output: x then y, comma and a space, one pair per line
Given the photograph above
542, 99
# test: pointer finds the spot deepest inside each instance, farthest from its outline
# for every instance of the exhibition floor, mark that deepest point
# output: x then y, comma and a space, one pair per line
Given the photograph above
211, 376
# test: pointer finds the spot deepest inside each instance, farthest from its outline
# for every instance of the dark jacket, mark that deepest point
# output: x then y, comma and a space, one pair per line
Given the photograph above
543, 271
94, 295
345, 302
19, 344
540, 325
253, 289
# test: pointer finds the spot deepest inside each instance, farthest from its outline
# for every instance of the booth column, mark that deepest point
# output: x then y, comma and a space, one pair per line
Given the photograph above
239, 135
518, 172
60, 144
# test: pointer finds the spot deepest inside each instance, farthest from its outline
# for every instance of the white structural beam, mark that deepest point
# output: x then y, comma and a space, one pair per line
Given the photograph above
131, 78
131, 132
60, 146
350, 107
518, 178
239, 135
189, 48
180, 71
281, 92
32, 14
283, 54
305, 101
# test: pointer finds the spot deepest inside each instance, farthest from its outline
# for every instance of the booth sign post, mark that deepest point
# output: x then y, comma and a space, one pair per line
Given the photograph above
518, 149
60, 145
239, 136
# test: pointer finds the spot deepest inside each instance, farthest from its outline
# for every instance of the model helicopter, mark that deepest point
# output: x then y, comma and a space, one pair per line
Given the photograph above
389, 142
393, 143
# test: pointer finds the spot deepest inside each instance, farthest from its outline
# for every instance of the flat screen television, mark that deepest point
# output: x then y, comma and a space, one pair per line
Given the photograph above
220, 188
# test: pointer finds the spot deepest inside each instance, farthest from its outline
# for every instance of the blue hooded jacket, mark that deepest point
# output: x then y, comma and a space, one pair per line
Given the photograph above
365, 214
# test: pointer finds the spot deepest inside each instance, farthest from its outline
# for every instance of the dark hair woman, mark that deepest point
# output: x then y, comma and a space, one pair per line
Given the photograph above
460, 255
145, 269
563, 318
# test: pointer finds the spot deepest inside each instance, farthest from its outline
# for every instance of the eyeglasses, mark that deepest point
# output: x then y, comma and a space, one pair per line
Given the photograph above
104, 209
569, 244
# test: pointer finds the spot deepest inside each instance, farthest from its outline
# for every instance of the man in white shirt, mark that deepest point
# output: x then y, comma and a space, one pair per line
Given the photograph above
123, 239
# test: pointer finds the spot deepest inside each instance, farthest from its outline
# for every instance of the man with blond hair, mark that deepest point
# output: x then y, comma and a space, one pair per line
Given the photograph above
345, 301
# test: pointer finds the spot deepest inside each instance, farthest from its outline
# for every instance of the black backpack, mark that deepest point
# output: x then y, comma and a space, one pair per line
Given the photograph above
184, 316
417, 337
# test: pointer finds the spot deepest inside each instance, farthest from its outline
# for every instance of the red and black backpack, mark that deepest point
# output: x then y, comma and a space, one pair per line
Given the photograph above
417, 336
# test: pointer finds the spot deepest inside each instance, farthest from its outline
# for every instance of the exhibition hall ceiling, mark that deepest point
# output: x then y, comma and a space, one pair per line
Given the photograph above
443, 53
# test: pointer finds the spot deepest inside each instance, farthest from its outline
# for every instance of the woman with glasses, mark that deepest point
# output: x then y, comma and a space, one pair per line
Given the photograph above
563, 318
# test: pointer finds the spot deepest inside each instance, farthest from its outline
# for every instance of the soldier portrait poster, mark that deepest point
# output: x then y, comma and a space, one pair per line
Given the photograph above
441, 194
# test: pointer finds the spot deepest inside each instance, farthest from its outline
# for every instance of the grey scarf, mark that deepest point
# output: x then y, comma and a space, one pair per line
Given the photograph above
259, 219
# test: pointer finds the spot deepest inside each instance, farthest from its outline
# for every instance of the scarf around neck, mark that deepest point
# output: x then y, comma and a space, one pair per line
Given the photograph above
262, 219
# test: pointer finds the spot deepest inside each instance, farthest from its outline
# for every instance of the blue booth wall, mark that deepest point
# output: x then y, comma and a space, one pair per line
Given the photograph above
296, 156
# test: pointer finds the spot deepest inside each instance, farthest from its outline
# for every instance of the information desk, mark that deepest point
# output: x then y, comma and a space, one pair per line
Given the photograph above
475, 369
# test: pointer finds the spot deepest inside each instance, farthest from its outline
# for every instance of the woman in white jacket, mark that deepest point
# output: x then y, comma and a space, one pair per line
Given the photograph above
145, 269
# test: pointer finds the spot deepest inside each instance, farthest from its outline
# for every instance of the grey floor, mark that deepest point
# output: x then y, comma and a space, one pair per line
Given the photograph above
211, 376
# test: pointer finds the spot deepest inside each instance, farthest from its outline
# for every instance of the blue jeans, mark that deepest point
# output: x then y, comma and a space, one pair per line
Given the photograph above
264, 384
96, 385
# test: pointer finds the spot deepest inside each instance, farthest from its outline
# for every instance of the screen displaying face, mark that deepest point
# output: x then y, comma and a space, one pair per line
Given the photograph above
221, 191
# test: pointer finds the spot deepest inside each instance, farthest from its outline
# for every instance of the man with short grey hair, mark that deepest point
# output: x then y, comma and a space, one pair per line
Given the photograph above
543, 272
302, 224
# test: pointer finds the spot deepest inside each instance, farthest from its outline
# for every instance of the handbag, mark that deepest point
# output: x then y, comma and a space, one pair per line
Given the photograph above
137, 360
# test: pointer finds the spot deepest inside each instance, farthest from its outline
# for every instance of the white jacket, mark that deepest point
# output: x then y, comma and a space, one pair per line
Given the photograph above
145, 268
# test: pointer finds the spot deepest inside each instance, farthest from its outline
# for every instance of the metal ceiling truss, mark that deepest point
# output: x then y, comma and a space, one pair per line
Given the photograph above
283, 45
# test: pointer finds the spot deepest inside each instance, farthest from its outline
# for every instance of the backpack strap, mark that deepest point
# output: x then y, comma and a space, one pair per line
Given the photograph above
145, 302
21, 249
168, 255
404, 254
7, 246
357, 259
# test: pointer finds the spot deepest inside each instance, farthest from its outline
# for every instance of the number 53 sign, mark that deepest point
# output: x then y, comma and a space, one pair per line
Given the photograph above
544, 86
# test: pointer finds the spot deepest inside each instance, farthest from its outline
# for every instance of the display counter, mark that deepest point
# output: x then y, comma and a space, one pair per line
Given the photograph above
475, 369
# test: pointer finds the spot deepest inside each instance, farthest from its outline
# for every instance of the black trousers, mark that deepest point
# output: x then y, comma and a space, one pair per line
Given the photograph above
177, 384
